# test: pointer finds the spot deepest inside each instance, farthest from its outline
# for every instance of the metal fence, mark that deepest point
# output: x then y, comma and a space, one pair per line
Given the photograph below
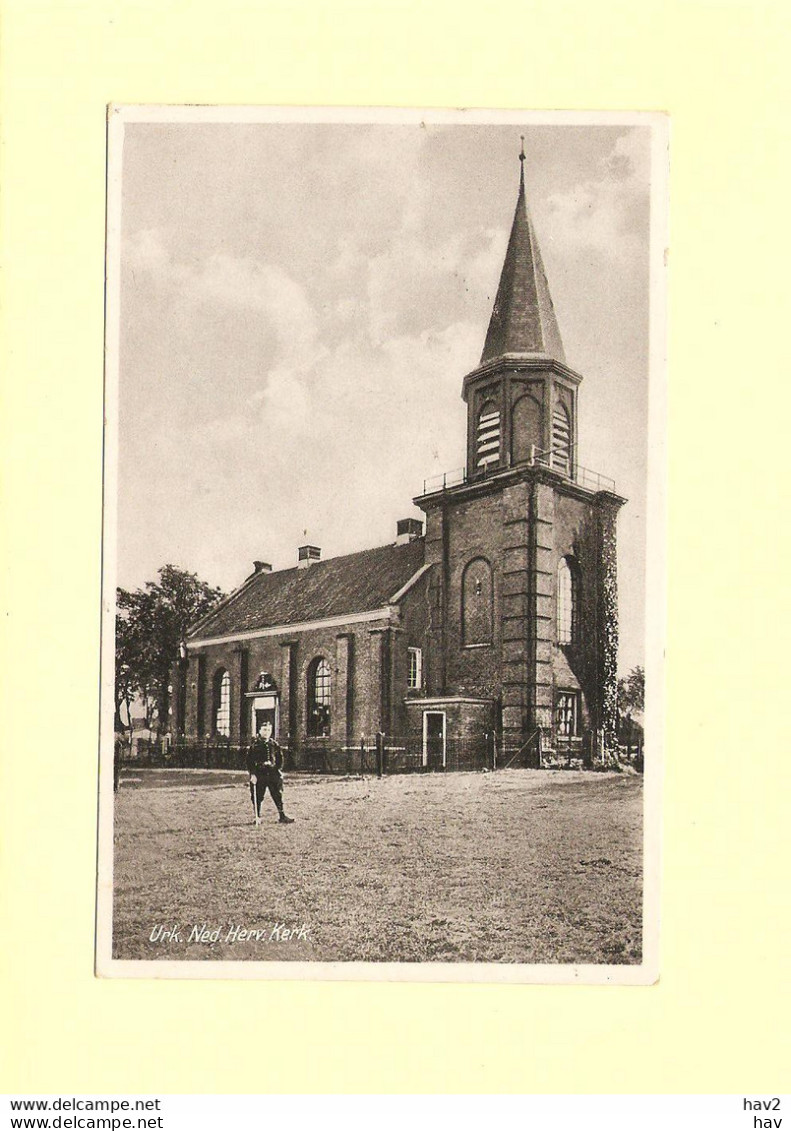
380, 754
211, 754
377, 754
568, 752
409, 754
631, 754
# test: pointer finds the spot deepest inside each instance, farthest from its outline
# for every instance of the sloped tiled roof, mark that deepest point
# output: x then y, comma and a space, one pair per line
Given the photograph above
523, 319
354, 583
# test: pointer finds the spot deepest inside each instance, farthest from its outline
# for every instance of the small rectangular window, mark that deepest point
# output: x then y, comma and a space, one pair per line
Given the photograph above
415, 669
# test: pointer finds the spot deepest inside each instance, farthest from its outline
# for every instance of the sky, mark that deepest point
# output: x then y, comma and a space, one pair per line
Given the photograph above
300, 303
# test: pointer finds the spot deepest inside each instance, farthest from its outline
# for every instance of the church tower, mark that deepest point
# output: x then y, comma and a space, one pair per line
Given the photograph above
522, 398
523, 594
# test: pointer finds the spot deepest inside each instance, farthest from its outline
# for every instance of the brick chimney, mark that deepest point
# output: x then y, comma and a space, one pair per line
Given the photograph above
407, 530
307, 555
262, 567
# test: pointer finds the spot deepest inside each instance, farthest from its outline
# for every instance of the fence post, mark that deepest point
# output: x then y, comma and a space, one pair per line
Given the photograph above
380, 753
362, 754
494, 750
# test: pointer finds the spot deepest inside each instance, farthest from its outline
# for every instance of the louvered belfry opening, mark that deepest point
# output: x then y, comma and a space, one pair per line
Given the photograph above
488, 437
561, 440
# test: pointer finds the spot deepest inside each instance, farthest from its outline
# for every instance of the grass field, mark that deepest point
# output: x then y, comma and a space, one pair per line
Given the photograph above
517, 866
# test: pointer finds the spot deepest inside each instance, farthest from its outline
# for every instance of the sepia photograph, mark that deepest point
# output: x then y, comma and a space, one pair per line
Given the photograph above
382, 605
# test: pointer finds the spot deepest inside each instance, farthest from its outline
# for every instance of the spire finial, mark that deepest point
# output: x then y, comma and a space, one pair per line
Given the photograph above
522, 151
522, 164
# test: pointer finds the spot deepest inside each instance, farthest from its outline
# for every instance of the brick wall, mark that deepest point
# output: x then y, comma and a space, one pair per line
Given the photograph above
575, 666
524, 527
412, 632
369, 668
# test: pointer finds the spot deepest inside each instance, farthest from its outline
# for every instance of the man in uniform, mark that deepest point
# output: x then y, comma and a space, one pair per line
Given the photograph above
264, 765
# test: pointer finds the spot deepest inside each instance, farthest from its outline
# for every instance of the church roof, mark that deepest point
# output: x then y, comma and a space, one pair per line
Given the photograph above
354, 583
523, 319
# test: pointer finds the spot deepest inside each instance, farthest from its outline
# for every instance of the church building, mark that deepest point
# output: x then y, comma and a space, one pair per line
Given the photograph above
495, 624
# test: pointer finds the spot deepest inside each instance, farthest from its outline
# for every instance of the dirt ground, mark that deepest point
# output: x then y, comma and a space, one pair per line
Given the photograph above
517, 866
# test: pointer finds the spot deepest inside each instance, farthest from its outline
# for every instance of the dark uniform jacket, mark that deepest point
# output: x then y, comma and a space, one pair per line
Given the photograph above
263, 756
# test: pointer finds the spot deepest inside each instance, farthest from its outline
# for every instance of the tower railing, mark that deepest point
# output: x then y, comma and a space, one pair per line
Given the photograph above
559, 460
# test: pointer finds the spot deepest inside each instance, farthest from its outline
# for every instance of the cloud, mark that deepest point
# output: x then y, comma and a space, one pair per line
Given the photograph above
605, 214
284, 404
246, 328
237, 283
452, 275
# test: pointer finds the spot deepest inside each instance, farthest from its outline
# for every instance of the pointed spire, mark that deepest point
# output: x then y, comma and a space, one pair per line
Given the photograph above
523, 319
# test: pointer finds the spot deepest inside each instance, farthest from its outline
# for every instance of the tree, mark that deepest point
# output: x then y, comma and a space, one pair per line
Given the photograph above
631, 696
150, 624
135, 653
125, 680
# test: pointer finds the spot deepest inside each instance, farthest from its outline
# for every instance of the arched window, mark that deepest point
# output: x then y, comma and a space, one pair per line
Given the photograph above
319, 689
525, 429
222, 703
567, 601
487, 437
476, 602
561, 439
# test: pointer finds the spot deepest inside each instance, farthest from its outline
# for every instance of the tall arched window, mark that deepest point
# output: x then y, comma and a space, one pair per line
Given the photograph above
487, 437
319, 690
222, 703
567, 601
476, 602
561, 439
525, 429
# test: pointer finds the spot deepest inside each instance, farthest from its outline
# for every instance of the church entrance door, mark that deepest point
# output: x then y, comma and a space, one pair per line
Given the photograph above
434, 740
266, 708
265, 715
